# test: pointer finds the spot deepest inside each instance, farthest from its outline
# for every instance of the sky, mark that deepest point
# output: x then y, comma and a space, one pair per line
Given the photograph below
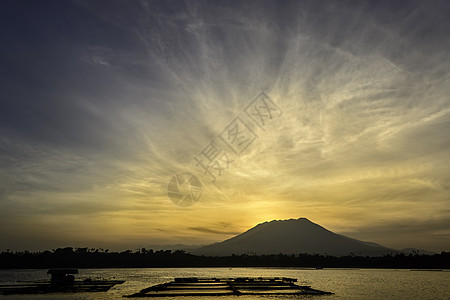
337, 111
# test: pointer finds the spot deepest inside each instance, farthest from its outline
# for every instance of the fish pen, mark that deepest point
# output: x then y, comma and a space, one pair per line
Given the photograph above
78, 286
195, 286
62, 281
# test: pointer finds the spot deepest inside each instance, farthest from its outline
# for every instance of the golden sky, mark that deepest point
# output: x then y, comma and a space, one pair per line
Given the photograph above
104, 104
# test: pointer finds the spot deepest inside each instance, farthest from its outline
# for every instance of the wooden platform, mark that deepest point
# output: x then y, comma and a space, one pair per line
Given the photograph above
78, 286
194, 286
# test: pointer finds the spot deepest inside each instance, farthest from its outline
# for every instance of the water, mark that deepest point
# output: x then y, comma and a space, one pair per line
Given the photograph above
345, 283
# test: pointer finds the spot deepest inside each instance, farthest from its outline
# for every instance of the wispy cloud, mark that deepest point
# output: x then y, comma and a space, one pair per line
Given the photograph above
101, 106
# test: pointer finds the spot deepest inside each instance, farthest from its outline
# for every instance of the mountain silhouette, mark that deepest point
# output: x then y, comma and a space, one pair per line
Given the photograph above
292, 237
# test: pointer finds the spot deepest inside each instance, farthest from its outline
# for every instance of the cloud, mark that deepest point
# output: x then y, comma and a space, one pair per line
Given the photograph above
101, 106
209, 230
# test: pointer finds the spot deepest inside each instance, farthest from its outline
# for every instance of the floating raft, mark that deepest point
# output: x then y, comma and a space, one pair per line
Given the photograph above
62, 281
194, 286
46, 287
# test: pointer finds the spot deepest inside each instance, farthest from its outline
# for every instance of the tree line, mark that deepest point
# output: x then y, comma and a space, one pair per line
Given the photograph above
70, 257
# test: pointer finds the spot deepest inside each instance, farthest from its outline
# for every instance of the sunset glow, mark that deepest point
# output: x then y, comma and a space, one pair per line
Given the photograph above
103, 104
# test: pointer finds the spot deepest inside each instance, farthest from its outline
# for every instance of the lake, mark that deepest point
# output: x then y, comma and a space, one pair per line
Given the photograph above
345, 283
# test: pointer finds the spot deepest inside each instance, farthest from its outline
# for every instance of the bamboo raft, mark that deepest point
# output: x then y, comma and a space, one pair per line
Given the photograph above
62, 281
78, 286
194, 286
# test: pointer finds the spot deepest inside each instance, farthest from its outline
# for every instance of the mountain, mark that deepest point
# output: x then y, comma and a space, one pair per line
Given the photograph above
292, 237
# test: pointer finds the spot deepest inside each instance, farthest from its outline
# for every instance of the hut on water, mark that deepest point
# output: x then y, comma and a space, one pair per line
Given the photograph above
62, 276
